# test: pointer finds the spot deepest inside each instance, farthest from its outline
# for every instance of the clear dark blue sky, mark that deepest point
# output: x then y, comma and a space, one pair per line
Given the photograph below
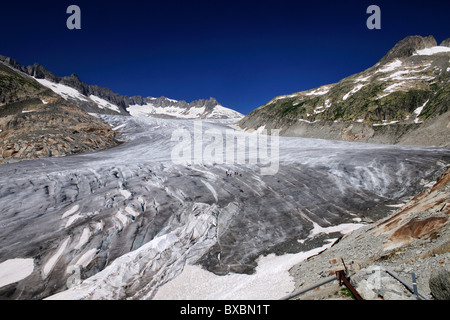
243, 53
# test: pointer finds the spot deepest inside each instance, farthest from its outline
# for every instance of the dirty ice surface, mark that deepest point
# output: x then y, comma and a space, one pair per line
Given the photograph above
127, 222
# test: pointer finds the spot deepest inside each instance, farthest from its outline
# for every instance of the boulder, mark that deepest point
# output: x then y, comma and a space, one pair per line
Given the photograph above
374, 283
440, 283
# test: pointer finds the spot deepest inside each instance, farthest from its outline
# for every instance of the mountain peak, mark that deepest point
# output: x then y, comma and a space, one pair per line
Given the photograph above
403, 99
446, 43
406, 47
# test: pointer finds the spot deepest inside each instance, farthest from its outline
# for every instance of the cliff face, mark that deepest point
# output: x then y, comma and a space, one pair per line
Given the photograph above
403, 99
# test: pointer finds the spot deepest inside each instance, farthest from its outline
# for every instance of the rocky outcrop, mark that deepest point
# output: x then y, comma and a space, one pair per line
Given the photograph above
415, 238
39, 72
35, 122
52, 130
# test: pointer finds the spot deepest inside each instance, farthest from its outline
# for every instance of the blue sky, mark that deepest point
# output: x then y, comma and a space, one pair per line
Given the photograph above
243, 53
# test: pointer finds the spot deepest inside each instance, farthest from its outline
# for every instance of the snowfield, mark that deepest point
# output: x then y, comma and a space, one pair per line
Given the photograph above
130, 223
65, 91
149, 110
432, 50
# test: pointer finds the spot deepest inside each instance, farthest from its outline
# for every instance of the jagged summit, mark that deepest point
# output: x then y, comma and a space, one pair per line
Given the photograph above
408, 46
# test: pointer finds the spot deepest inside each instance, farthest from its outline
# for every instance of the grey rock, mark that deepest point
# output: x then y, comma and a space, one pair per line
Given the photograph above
39, 72
376, 284
440, 283
446, 43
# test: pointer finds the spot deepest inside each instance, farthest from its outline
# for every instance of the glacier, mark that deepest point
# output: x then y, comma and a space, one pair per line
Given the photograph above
126, 222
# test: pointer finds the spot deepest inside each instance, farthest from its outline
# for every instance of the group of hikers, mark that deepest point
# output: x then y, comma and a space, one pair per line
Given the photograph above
229, 173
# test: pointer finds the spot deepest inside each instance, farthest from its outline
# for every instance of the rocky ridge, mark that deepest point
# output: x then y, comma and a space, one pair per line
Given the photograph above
93, 98
414, 238
403, 99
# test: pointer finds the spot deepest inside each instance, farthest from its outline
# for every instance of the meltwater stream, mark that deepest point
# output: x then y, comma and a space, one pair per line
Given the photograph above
120, 223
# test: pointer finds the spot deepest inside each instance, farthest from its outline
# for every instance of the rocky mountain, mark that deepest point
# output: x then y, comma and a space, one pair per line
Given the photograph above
95, 99
36, 122
403, 99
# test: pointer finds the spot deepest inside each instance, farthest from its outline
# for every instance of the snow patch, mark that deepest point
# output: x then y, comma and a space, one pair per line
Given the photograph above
271, 281
342, 228
355, 89
418, 112
393, 88
192, 113
122, 218
363, 79
54, 259
149, 109
385, 123
72, 219
319, 91
103, 104
14, 270
303, 120
86, 258
431, 51
119, 127
391, 66
222, 111
65, 91
71, 211
84, 238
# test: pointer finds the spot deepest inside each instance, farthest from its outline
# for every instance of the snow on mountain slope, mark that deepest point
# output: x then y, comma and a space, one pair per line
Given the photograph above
203, 109
198, 111
149, 109
222, 112
432, 50
102, 103
64, 91
69, 93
